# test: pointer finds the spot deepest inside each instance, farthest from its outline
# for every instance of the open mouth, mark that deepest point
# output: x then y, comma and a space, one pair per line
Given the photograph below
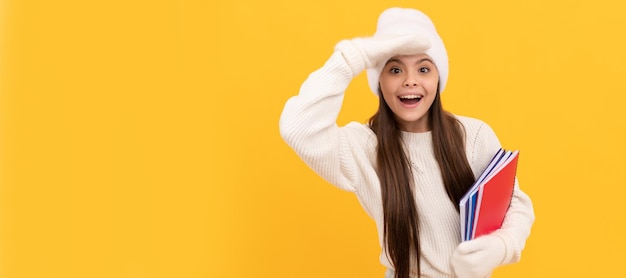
410, 99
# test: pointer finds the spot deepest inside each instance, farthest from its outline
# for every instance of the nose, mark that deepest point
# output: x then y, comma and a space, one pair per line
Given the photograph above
411, 80
410, 83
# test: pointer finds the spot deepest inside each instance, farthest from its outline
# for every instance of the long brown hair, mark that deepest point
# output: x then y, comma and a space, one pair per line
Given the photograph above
401, 229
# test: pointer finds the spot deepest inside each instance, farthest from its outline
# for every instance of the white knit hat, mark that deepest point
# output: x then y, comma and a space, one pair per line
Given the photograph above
402, 21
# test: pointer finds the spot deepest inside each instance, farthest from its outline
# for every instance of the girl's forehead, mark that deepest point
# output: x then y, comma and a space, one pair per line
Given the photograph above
413, 58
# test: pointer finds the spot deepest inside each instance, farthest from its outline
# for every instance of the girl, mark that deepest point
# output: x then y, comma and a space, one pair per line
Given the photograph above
412, 162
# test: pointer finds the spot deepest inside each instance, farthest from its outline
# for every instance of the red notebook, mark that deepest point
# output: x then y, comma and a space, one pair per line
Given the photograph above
494, 197
484, 206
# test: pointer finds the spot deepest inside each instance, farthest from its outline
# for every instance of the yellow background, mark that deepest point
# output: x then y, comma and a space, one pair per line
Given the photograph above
140, 138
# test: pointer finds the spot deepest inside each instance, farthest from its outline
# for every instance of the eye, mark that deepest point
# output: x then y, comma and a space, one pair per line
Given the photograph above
424, 70
395, 70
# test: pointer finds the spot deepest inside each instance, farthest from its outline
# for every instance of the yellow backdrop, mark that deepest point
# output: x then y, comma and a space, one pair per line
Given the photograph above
140, 138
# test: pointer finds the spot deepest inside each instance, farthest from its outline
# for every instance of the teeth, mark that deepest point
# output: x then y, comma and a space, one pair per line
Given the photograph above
410, 97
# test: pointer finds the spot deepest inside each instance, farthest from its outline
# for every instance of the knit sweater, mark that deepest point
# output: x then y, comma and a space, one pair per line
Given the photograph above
346, 157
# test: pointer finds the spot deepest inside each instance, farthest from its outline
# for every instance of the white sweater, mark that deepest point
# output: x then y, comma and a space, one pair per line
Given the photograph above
346, 157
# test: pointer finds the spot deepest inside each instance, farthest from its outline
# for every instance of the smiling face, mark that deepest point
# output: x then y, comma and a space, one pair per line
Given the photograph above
409, 86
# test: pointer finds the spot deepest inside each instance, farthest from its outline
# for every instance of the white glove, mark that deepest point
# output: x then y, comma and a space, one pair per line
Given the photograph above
478, 257
373, 52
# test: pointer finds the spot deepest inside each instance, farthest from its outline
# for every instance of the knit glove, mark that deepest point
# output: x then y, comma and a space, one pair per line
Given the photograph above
478, 257
372, 52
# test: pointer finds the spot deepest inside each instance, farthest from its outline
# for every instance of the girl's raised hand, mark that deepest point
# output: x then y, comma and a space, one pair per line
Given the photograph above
375, 51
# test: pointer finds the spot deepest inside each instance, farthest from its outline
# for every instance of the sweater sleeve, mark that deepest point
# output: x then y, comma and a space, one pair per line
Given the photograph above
308, 121
520, 216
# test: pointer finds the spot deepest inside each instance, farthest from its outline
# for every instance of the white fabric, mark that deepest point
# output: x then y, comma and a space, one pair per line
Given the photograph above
477, 258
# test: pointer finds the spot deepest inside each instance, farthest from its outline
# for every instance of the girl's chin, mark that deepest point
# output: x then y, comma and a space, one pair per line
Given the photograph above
410, 117
412, 120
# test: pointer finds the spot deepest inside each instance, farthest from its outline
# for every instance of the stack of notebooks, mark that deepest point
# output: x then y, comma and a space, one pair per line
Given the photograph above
485, 204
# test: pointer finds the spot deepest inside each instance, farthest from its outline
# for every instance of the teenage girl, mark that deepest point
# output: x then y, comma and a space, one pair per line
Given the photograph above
412, 162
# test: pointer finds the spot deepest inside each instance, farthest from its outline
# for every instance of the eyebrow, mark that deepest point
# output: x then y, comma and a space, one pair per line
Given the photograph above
418, 62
